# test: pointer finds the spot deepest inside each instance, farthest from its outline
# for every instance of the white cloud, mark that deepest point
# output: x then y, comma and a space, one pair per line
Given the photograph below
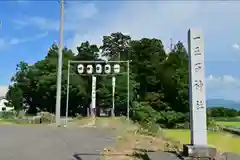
236, 46
80, 10
3, 90
15, 41
4, 43
160, 19
216, 82
74, 14
226, 87
152, 19
163, 19
40, 22
22, 1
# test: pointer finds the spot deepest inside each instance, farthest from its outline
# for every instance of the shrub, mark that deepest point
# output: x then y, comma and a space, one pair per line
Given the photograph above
170, 119
144, 113
211, 122
46, 117
7, 114
148, 117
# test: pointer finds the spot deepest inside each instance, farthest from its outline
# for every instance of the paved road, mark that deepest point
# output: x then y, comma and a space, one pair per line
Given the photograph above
162, 156
50, 143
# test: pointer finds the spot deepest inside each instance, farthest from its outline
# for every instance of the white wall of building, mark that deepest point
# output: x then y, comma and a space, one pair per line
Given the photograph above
3, 105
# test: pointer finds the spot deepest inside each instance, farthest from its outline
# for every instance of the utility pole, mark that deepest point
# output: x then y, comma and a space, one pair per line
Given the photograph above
171, 45
128, 89
59, 76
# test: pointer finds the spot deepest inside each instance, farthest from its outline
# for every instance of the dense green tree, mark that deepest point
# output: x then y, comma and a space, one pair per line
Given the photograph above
222, 112
146, 56
116, 46
16, 93
174, 76
15, 97
158, 81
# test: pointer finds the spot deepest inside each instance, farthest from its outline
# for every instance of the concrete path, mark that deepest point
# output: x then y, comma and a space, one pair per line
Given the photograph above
50, 143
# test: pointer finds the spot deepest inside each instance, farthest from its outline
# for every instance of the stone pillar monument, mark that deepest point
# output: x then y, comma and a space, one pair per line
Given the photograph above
197, 99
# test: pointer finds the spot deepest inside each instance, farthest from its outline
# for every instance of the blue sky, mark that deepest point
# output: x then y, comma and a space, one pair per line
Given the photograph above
29, 28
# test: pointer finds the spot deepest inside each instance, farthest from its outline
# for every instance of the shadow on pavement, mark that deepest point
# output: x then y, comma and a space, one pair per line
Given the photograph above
154, 155
143, 150
175, 154
96, 156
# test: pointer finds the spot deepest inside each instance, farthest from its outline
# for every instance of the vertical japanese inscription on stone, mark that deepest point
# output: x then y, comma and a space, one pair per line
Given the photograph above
198, 76
197, 98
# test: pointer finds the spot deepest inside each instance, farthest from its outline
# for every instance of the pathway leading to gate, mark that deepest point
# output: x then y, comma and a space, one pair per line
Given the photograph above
51, 143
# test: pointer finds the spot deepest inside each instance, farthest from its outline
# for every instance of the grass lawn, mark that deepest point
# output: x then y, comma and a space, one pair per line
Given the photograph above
3, 121
222, 141
226, 123
14, 122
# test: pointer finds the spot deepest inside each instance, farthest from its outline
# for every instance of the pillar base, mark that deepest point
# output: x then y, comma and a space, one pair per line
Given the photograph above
197, 151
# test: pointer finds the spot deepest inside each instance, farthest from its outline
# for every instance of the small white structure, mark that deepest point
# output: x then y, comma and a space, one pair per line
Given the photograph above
3, 106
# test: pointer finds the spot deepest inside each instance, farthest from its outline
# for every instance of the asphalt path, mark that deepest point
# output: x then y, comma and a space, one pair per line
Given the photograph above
51, 143
39, 142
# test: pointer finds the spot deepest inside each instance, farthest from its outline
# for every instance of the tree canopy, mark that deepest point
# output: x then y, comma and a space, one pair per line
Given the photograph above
158, 80
223, 112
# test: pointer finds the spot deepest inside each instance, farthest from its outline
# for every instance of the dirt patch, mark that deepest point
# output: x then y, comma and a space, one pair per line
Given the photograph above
133, 145
131, 142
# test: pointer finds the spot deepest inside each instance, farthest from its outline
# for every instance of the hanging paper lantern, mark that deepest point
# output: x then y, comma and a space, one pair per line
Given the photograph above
107, 68
80, 69
89, 69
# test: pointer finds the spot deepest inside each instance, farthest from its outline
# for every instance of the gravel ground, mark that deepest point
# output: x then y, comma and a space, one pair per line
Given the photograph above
51, 143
